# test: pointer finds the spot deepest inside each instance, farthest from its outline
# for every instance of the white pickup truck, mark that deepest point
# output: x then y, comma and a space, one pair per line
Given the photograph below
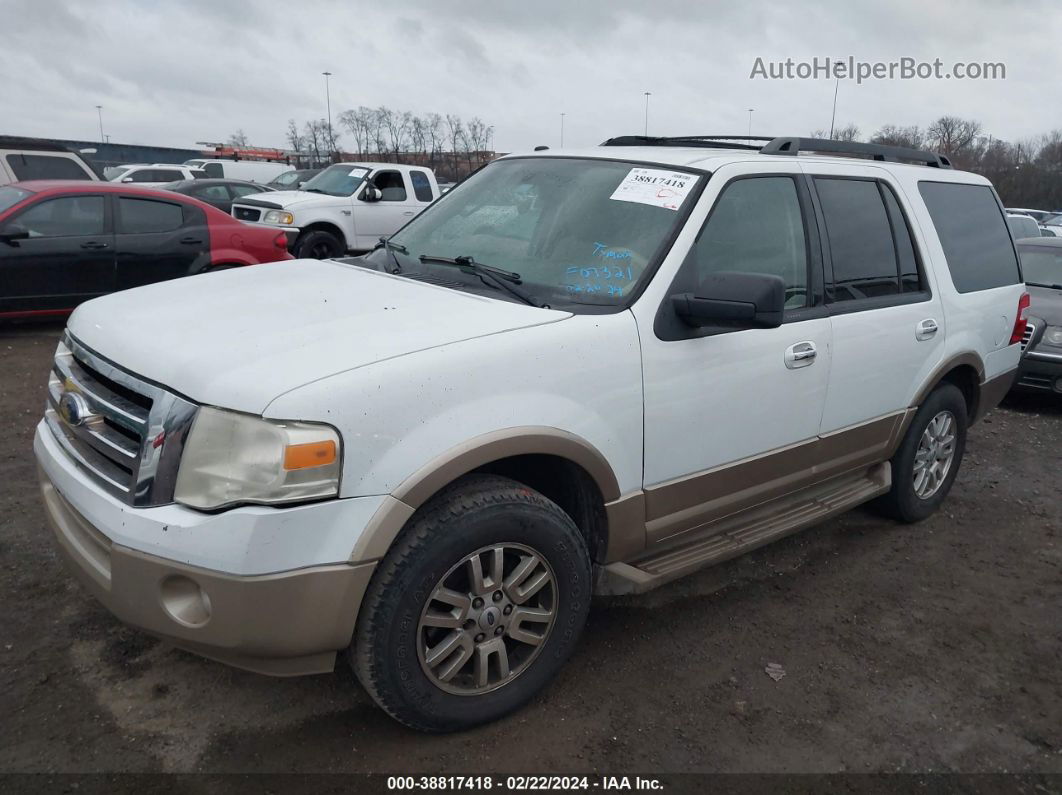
347, 207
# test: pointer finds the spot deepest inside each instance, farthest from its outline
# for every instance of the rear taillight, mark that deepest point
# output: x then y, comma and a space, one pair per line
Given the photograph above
1021, 320
281, 242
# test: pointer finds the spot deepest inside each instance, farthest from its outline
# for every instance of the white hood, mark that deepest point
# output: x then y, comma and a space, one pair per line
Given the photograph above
293, 199
240, 338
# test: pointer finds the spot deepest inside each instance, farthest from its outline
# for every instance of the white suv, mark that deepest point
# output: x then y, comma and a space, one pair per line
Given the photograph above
577, 373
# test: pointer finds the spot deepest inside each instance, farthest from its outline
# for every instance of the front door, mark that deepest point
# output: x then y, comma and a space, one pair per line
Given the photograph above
158, 240
67, 258
385, 217
732, 416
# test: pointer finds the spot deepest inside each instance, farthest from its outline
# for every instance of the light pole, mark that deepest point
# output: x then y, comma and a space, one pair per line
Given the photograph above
750, 122
562, 130
99, 113
647, 95
328, 103
833, 116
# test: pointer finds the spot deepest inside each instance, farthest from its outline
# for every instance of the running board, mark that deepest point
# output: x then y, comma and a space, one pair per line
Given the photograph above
745, 531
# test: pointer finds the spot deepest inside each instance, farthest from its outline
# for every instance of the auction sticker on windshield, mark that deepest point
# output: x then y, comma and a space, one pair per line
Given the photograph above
654, 186
358, 172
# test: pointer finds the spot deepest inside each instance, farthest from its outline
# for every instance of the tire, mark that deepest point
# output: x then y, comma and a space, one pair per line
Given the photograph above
391, 645
318, 244
904, 502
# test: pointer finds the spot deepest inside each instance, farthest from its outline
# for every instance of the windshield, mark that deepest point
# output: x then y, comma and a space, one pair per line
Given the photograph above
1053, 220
338, 180
1041, 264
287, 178
10, 196
577, 231
115, 171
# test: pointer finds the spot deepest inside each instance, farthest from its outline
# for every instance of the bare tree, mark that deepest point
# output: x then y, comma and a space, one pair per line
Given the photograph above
951, 135
911, 137
434, 123
359, 123
293, 137
456, 131
238, 138
315, 135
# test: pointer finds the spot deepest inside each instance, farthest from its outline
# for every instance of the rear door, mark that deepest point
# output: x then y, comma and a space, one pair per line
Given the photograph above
888, 325
385, 217
157, 240
67, 258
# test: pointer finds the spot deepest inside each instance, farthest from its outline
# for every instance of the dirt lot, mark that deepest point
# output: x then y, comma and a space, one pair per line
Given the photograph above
935, 647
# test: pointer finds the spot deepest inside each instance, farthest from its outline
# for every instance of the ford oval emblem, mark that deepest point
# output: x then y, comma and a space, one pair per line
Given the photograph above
73, 409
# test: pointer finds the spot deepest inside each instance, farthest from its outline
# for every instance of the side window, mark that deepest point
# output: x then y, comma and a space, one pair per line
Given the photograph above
215, 192
167, 175
421, 186
141, 216
756, 226
910, 277
27, 166
70, 216
141, 175
860, 239
214, 170
244, 190
973, 234
391, 186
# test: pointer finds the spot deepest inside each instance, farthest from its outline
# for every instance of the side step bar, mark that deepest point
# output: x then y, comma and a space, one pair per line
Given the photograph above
735, 535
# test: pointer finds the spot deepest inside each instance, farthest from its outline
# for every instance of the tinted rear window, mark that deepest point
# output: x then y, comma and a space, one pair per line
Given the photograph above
421, 185
973, 233
139, 216
45, 167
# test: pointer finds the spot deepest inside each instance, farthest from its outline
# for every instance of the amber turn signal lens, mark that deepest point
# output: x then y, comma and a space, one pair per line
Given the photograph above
307, 456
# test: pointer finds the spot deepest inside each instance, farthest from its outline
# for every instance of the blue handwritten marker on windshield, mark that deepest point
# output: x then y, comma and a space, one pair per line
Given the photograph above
607, 253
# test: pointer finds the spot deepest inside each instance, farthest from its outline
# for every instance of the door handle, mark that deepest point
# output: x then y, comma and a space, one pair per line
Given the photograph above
94, 244
926, 329
191, 241
800, 355
409, 212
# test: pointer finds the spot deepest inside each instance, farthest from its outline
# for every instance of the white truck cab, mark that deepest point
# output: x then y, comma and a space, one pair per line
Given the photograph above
591, 372
348, 207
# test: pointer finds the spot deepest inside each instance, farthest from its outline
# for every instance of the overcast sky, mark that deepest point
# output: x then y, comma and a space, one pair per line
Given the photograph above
173, 73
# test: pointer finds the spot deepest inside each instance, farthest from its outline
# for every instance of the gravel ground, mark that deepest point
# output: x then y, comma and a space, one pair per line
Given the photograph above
934, 647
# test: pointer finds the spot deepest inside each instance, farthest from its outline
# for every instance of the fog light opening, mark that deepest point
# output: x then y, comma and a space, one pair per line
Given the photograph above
184, 601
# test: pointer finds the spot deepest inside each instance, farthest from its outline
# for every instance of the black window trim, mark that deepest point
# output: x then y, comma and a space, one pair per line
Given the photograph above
1003, 212
881, 301
664, 325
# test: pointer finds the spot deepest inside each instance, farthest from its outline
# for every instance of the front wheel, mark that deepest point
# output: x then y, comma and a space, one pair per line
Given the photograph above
475, 608
927, 461
318, 244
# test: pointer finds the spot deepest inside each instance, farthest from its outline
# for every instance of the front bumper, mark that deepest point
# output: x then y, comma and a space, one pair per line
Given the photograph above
1040, 372
282, 623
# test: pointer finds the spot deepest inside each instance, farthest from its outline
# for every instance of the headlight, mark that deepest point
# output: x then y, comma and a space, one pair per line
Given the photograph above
1053, 335
279, 217
231, 458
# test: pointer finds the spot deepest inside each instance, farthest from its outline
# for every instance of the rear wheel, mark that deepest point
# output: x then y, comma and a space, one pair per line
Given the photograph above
475, 608
927, 462
318, 244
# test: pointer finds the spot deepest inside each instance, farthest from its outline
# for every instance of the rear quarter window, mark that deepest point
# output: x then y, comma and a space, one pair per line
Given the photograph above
27, 166
973, 233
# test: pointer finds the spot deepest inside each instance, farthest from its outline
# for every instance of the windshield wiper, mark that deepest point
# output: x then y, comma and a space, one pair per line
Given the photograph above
1049, 286
495, 277
392, 248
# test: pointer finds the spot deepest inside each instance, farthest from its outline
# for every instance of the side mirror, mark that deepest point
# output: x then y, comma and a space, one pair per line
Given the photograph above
371, 194
729, 298
127, 179
12, 233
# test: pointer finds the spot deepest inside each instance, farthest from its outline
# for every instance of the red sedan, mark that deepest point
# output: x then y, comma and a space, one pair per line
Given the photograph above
64, 242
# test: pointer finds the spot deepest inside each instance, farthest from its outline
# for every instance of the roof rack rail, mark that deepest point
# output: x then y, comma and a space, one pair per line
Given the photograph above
706, 141
794, 146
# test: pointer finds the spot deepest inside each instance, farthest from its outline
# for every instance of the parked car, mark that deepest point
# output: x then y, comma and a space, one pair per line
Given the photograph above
247, 170
1022, 226
218, 193
348, 207
32, 158
294, 180
1041, 366
154, 175
601, 370
64, 242
1038, 215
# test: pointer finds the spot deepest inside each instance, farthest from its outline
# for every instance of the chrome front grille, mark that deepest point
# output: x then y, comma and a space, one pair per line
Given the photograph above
1030, 329
125, 432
